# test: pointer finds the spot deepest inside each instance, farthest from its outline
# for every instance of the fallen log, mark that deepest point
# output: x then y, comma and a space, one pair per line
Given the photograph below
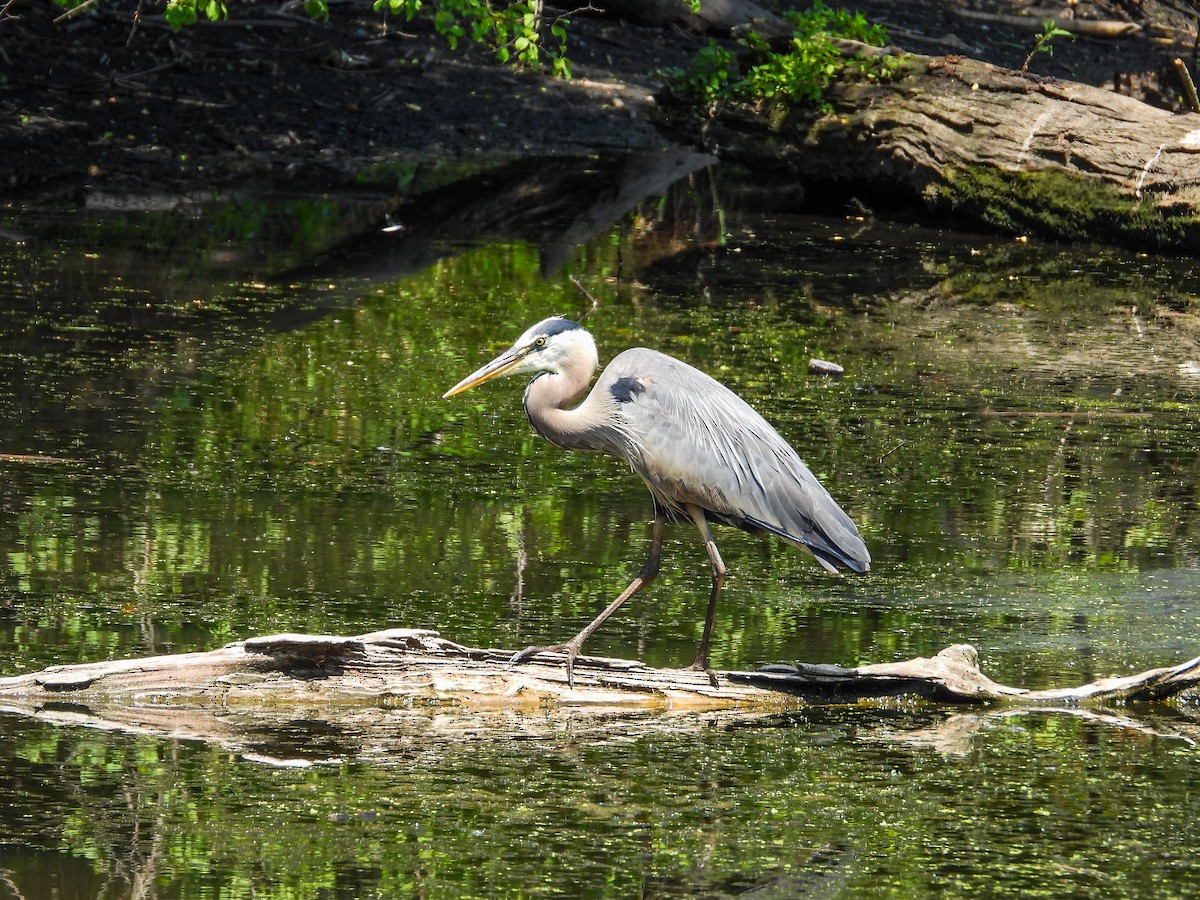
975, 143
1102, 28
391, 692
416, 666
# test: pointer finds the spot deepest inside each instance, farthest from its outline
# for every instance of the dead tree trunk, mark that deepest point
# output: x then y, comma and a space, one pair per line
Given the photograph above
990, 146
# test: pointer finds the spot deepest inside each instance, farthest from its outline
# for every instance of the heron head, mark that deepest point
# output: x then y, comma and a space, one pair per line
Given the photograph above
551, 345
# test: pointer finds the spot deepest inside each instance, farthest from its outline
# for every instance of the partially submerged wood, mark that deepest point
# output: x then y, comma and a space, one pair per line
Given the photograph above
990, 146
287, 699
418, 666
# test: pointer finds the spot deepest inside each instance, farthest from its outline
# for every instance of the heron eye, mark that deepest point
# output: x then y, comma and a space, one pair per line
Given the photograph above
540, 342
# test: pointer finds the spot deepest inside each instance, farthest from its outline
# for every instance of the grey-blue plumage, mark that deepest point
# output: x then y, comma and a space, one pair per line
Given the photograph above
703, 452
692, 440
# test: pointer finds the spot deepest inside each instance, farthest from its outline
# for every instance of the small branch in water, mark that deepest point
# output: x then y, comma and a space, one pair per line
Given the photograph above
889, 453
595, 304
34, 458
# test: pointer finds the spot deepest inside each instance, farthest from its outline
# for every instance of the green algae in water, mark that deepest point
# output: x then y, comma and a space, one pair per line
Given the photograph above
1014, 435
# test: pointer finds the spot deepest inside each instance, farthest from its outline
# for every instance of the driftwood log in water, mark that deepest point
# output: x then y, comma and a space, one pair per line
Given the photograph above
981, 144
298, 700
418, 666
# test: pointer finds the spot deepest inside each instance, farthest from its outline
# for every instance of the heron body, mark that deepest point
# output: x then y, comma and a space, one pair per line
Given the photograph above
704, 453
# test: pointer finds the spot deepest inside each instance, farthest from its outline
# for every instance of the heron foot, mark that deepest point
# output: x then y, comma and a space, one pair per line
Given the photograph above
701, 665
570, 648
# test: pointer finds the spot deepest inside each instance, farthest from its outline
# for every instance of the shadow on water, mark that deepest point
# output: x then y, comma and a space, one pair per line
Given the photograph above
226, 421
112, 305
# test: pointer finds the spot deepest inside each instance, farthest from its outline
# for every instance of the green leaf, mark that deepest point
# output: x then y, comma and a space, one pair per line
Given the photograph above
180, 13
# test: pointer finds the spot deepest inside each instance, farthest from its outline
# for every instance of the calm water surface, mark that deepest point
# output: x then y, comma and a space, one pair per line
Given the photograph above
213, 427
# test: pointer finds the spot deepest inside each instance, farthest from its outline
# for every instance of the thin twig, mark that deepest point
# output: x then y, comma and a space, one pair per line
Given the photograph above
889, 453
578, 10
128, 79
71, 13
595, 303
1189, 86
137, 19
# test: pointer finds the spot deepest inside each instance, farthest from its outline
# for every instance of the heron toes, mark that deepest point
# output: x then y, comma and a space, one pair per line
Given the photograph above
570, 650
530, 652
701, 665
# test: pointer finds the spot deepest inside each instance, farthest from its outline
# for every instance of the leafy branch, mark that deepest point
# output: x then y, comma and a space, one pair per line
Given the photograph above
1044, 44
514, 32
519, 33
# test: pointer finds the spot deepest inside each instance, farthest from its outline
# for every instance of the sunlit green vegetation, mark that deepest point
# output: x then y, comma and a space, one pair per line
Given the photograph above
798, 72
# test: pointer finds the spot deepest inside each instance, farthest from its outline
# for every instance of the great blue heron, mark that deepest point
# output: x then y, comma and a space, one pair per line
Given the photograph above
703, 452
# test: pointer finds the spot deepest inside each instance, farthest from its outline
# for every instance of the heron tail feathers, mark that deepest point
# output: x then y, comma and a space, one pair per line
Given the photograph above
848, 553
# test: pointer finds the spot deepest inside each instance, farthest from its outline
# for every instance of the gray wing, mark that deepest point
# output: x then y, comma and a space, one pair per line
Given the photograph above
693, 440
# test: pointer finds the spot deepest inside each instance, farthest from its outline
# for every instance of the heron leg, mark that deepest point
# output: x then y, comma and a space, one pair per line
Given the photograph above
718, 580
648, 573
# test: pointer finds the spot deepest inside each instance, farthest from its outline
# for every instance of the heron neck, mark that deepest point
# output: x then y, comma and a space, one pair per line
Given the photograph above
546, 404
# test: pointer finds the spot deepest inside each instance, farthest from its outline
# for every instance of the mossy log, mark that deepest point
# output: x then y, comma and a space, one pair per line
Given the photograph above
980, 144
293, 699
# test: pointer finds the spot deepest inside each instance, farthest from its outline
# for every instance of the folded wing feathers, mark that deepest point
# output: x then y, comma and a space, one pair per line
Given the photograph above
699, 442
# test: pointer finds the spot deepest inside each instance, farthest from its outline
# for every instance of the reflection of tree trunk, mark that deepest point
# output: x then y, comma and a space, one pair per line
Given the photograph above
995, 147
955, 735
557, 203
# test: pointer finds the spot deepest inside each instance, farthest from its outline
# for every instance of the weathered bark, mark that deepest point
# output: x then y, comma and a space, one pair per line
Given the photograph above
418, 666
386, 692
992, 146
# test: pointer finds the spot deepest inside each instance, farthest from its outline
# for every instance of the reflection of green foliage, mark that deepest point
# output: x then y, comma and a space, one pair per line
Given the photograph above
326, 457
705, 808
1040, 499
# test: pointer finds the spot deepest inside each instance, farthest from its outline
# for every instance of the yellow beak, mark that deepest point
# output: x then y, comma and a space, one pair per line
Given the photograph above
503, 364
